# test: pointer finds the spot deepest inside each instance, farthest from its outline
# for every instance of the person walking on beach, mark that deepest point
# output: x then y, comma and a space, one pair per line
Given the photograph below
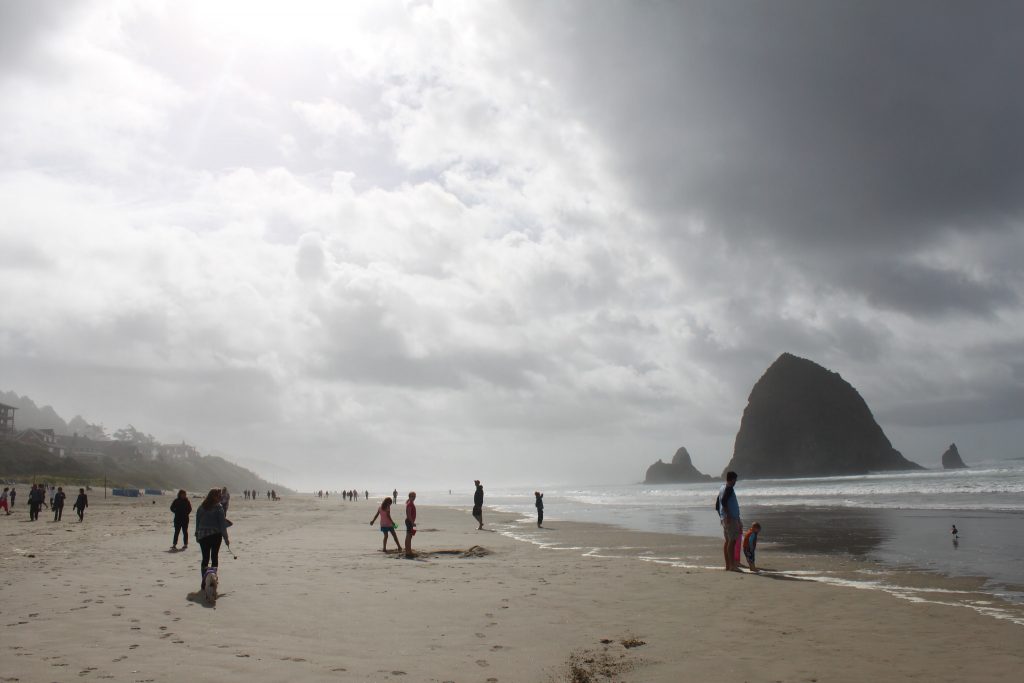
182, 508
3, 500
58, 504
410, 522
211, 531
81, 503
36, 498
729, 513
750, 545
478, 503
394, 495
540, 508
14, 494
225, 498
387, 525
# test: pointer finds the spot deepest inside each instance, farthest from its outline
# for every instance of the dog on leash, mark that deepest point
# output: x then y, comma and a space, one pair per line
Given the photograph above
210, 582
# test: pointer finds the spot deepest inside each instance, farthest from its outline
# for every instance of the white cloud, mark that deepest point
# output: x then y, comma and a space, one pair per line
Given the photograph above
330, 118
351, 234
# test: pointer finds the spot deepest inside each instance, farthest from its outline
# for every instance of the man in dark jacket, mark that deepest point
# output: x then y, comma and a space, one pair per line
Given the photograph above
58, 504
81, 503
36, 499
182, 508
478, 504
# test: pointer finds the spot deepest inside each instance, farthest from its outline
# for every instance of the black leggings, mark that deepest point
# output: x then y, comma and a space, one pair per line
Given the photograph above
210, 545
58, 512
182, 527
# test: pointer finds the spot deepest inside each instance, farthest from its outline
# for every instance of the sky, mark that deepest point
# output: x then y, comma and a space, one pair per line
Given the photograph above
420, 243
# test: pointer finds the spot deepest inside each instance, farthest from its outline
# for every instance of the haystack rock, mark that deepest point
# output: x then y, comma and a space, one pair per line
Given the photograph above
679, 471
951, 459
805, 421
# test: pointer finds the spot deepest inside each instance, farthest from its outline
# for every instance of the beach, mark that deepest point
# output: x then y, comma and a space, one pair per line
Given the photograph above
312, 597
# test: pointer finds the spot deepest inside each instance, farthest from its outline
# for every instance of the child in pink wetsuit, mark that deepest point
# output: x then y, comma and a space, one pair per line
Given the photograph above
386, 524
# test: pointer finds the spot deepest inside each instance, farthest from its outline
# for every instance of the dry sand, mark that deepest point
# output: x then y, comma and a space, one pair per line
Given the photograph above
311, 597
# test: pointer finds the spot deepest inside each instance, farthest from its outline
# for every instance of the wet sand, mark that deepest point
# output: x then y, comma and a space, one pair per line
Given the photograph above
312, 598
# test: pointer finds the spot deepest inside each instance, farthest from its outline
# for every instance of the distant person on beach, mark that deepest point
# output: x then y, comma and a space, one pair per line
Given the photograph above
955, 532
3, 500
58, 504
81, 503
225, 498
35, 500
394, 495
410, 522
182, 508
540, 508
14, 494
750, 545
729, 513
367, 494
478, 504
387, 525
211, 531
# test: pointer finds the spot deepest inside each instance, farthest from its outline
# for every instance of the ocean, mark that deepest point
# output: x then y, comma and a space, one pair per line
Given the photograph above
900, 520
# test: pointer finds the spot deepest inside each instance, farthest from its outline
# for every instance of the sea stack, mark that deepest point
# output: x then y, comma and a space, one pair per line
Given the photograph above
951, 459
679, 471
803, 420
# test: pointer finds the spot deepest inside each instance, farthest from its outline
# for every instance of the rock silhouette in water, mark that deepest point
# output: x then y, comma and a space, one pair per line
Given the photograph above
805, 421
680, 470
951, 459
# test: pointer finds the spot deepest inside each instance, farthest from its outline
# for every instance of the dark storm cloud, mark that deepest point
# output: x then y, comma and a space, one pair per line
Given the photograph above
818, 123
926, 291
979, 404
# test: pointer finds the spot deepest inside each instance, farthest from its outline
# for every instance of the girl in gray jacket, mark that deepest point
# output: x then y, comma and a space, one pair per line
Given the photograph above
211, 531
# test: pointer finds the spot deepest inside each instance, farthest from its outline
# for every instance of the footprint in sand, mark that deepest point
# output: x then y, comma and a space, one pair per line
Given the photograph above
479, 635
134, 646
482, 663
497, 647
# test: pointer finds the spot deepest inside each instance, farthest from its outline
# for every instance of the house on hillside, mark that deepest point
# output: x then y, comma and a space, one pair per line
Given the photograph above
79, 446
177, 450
6, 421
41, 438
